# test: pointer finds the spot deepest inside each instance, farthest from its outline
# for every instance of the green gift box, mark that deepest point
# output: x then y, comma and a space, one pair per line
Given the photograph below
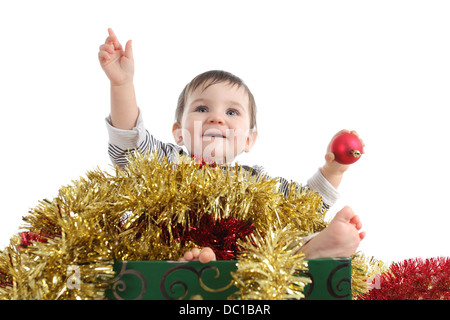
174, 280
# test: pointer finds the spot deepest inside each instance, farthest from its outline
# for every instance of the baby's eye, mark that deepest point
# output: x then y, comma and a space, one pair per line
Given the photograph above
201, 109
232, 113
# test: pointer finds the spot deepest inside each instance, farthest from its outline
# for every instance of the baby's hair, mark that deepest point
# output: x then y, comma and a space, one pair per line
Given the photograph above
209, 78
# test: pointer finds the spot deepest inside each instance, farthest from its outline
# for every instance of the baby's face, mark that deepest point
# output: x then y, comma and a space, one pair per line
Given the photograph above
216, 123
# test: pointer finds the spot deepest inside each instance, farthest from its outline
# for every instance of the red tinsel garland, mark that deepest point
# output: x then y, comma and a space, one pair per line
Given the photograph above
221, 236
413, 279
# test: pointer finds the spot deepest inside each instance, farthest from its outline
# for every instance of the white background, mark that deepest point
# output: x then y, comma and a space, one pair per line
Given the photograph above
381, 68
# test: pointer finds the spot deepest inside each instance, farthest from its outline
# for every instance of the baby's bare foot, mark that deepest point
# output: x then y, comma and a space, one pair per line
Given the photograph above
339, 239
204, 256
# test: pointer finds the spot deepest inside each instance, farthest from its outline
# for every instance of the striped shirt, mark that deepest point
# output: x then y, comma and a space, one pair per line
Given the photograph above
122, 142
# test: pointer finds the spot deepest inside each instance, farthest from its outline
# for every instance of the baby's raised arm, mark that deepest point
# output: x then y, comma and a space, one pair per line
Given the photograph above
118, 65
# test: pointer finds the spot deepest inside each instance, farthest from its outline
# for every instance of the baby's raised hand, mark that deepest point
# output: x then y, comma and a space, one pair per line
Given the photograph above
117, 63
331, 165
333, 171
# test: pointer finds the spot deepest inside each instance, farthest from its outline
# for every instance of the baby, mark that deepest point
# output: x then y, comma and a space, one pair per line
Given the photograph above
216, 119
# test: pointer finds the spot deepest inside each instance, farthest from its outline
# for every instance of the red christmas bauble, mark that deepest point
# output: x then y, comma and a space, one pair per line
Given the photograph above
347, 148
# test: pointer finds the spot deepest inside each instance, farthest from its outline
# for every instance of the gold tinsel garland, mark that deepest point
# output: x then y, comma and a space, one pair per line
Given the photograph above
364, 270
268, 267
122, 216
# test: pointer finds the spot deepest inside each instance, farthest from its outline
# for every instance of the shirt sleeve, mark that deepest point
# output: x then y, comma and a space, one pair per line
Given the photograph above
317, 183
123, 142
321, 185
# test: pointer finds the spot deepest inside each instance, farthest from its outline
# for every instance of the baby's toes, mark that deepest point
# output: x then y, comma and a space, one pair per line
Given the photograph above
196, 253
356, 221
192, 254
362, 235
207, 255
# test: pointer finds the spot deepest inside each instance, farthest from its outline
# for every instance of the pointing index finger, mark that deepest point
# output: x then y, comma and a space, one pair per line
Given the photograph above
111, 32
113, 39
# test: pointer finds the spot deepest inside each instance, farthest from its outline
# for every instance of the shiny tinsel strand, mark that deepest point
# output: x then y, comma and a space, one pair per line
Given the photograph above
269, 265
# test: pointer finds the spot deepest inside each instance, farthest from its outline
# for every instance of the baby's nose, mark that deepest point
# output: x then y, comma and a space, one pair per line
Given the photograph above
215, 117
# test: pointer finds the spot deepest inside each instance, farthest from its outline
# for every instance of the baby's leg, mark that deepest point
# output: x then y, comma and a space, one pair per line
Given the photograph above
339, 239
204, 256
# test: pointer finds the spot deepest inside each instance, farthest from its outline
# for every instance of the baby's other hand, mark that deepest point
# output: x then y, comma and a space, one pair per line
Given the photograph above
333, 167
117, 63
204, 255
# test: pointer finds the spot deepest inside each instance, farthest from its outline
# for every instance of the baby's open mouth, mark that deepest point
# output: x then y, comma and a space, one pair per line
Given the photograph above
214, 135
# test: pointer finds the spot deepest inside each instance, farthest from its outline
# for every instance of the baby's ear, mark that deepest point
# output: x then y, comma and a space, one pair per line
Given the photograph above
251, 139
177, 134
